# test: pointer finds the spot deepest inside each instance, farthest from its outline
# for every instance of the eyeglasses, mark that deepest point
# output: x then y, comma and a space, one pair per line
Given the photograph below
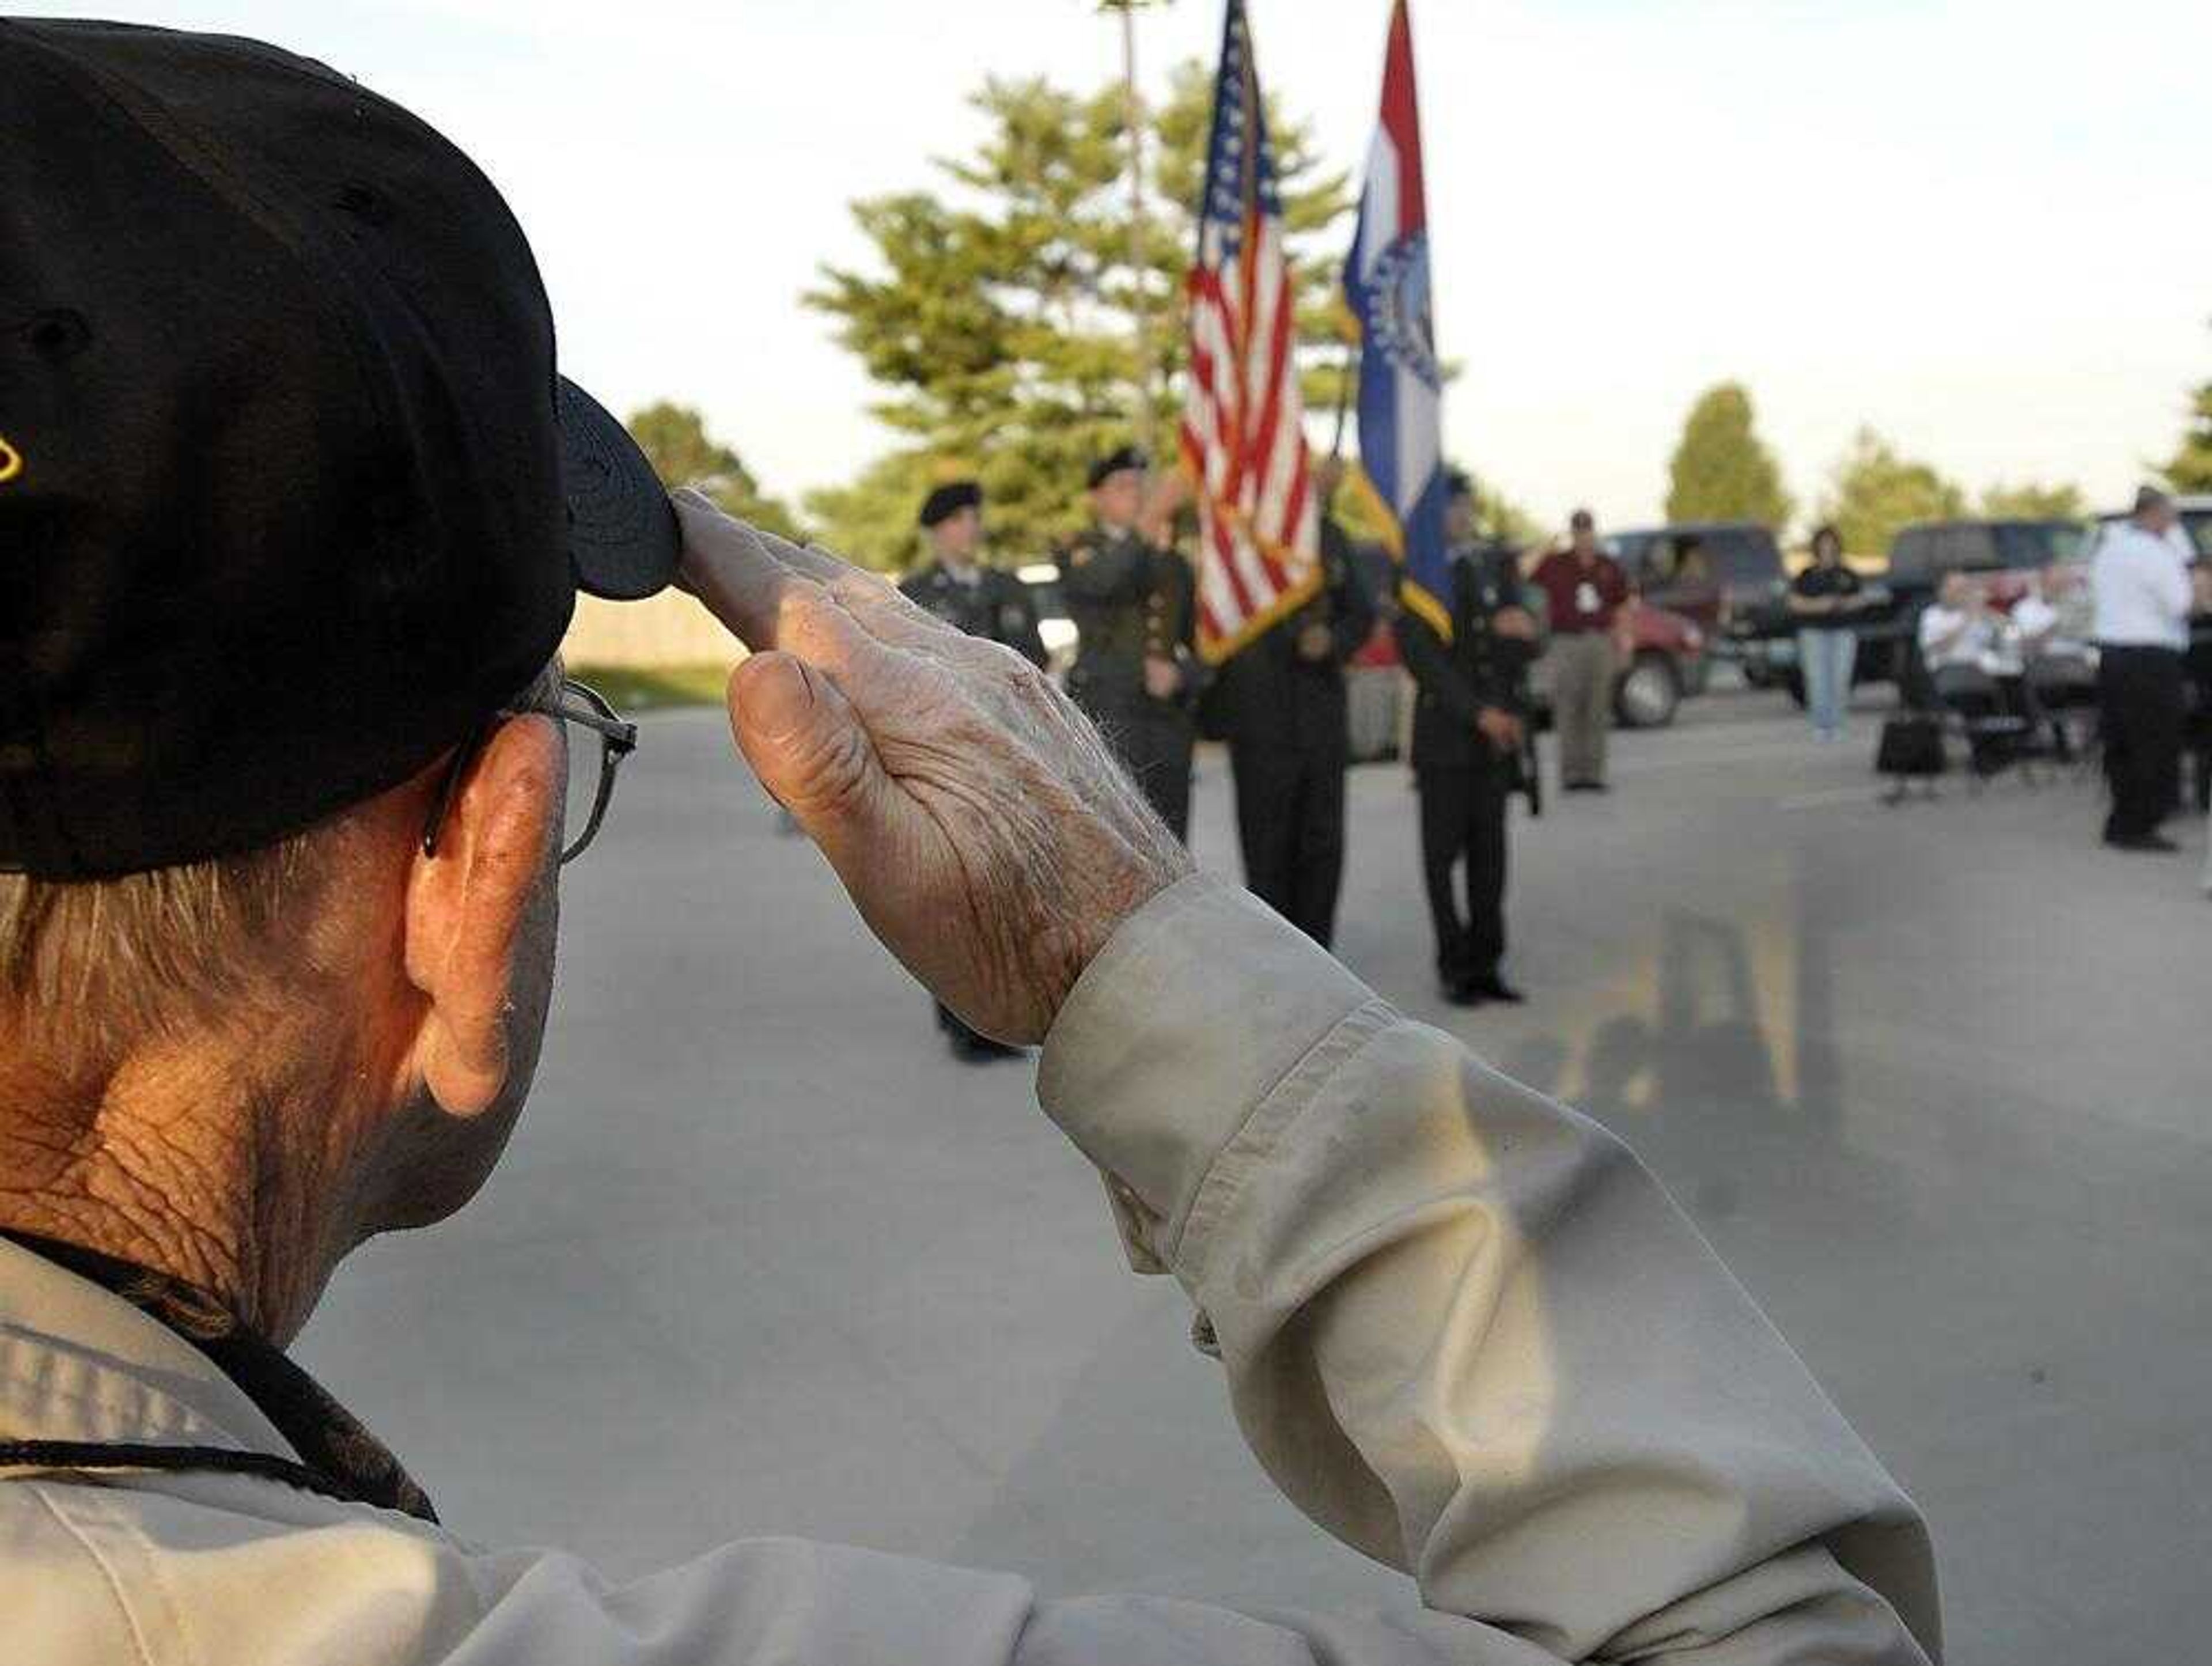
590, 786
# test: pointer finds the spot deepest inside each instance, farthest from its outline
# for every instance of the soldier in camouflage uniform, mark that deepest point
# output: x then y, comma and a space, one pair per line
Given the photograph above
1134, 602
953, 583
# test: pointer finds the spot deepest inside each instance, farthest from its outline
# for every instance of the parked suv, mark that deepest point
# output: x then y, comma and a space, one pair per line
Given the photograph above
1724, 575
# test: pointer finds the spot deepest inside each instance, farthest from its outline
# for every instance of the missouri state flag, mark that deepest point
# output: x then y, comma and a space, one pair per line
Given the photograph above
1386, 285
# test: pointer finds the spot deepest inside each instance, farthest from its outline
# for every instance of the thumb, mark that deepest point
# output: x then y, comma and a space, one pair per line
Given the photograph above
808, 748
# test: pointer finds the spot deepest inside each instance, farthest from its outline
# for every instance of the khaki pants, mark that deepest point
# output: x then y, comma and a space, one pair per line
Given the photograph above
1582, 703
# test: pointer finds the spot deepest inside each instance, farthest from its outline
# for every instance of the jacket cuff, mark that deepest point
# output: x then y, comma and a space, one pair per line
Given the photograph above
1201, 1003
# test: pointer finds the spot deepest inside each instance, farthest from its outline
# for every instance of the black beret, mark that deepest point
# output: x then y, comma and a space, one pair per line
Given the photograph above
948, 500
1129, 457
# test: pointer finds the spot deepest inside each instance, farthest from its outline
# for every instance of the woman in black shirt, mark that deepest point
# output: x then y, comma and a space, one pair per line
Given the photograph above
1822, 600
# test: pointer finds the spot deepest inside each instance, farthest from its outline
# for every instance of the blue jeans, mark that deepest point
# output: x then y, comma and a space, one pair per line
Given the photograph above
1825, 658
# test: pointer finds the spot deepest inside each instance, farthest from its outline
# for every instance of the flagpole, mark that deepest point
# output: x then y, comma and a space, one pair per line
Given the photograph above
1344, 379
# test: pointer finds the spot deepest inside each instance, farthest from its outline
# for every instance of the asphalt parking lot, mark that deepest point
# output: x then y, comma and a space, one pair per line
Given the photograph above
765, 1260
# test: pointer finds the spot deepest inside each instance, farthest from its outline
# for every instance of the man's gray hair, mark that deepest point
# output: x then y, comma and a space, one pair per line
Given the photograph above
88, 966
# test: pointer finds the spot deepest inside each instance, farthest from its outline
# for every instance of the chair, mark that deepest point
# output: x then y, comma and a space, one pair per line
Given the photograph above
1992, 718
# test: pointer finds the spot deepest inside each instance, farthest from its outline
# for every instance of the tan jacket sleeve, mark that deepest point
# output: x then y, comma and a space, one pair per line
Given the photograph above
1464, 1329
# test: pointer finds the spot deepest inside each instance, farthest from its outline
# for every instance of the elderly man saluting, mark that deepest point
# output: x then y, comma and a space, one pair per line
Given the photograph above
289, 773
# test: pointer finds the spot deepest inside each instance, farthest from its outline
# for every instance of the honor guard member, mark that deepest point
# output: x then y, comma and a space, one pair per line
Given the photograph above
1470, 726
954, 584
1280, 702
1132, 600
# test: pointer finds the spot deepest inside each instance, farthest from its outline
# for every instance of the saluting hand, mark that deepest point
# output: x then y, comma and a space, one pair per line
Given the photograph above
988, 836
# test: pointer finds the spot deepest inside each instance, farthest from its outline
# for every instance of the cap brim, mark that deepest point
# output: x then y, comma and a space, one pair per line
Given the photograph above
623, 540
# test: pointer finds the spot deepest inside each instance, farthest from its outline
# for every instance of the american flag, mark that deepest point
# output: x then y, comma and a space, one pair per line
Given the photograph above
1243, 436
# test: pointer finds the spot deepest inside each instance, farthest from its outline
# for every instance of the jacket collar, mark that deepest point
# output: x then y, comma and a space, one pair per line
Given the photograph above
79, 1364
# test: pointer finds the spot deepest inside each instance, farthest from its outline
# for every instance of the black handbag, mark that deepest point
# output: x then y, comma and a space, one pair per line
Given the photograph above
1910, 746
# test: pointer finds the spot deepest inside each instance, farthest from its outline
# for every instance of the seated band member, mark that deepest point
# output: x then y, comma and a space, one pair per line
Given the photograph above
286, 790
2053, 630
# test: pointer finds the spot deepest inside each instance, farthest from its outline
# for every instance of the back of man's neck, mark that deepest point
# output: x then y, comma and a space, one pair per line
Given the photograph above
193, 1191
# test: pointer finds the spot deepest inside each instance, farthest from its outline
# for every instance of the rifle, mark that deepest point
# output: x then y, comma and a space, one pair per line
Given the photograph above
1527, 771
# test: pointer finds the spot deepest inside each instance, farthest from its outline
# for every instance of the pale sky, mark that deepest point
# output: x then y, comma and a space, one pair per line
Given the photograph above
1980, 225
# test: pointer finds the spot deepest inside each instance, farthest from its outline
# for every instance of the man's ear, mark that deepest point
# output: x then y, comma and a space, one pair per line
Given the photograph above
465, 906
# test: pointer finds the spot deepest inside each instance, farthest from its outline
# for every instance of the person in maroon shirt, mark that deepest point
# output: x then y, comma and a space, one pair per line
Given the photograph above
1588, 598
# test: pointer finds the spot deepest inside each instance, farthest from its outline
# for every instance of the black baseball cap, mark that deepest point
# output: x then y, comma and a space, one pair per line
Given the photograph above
948, 499
1120, 460
292, 496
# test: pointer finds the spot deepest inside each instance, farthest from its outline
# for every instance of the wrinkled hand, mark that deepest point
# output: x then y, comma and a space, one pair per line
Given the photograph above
1163, 678
979, 823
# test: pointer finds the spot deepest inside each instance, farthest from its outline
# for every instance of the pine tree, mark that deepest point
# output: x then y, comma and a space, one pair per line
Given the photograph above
1876, 492
1722, 471
1000, 320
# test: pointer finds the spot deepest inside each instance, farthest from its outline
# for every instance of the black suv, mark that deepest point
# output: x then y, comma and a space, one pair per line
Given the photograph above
1726, 576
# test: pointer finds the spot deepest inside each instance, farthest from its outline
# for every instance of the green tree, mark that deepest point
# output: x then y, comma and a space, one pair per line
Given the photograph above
1722, 471
675, 441
999, 318
2031, 500
1875, 491
2191, 469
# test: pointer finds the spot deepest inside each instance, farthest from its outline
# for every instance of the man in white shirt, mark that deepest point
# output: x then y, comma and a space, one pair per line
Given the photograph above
1975, 669
279, 886
1957, 630
2143, 594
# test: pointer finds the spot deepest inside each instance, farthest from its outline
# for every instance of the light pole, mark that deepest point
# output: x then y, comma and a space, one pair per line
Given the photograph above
1140, 291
